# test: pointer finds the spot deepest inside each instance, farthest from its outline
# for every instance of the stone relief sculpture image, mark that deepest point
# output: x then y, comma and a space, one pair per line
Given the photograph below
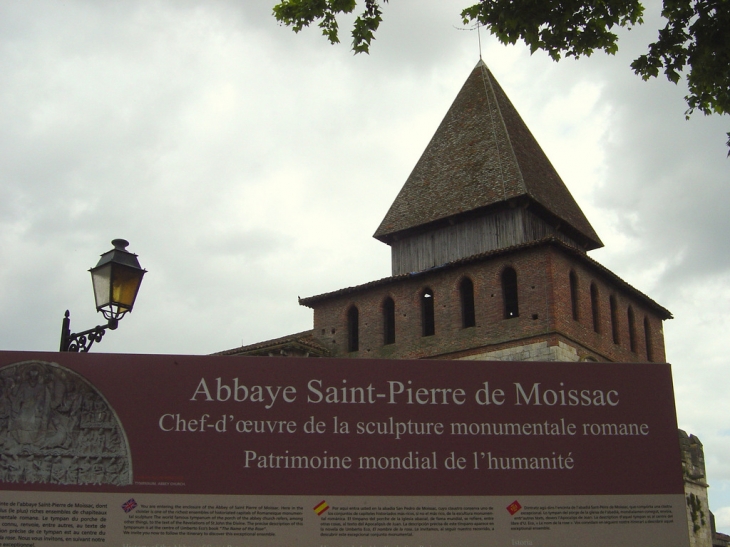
55, 427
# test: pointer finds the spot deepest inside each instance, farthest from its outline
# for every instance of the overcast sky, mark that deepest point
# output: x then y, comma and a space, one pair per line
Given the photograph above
248, 165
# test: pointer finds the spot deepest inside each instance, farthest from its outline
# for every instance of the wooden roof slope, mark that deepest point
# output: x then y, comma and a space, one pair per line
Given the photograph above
483, 155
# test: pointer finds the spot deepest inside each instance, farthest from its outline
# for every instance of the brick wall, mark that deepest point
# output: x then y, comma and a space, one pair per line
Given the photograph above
544, 310
582, 330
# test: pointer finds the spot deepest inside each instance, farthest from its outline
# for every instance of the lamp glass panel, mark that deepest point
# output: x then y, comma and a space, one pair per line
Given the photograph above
101, 278
125, 284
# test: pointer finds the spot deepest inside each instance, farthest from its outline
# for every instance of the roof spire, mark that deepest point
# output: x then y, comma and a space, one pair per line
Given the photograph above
483, 156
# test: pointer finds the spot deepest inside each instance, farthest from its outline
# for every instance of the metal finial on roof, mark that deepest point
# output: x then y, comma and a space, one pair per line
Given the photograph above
479, 36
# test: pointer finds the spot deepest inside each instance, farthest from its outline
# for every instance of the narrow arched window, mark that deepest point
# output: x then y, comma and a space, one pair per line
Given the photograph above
595, 308
353, 329
647, 339
614, 319
466, 293
388, 321
428, 323
574, 294
632, 330
509, 293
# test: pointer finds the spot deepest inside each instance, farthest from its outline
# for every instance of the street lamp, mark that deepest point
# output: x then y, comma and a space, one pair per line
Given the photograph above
116, 279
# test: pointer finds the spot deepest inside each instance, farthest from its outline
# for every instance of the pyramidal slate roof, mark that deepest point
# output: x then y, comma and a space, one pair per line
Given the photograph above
483, 155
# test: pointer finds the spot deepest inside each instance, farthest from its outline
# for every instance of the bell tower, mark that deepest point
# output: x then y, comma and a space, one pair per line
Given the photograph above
490, 262
482, 184
489, 258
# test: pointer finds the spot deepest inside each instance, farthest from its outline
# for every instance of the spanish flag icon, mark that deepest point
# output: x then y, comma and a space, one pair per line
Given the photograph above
514, 507
321, 507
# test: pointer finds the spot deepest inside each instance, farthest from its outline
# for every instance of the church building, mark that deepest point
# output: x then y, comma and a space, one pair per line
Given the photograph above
489, 255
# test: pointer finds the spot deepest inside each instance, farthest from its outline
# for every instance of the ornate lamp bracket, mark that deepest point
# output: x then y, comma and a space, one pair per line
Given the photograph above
81, 342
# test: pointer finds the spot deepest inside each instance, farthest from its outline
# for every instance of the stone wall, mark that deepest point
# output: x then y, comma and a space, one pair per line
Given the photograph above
537, 351
695, 491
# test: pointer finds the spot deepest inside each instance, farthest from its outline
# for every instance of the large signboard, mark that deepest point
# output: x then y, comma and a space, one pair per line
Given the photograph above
183, 450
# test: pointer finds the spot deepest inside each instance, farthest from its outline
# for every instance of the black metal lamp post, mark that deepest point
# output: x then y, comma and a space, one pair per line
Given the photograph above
116, 280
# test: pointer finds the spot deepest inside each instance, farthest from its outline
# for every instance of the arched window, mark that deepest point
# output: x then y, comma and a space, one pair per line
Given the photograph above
509, 293
595, 308
428, 324
353, 329
388, 321
632, 330
614, 319
574, 294
647, 339
466, 292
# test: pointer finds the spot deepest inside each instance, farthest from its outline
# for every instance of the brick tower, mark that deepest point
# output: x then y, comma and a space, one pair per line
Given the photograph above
489, 258
489, 262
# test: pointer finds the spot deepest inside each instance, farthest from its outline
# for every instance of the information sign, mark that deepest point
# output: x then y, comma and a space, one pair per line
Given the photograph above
187, 450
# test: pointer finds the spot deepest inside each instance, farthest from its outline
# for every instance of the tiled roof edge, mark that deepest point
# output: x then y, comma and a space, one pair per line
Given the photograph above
304, 338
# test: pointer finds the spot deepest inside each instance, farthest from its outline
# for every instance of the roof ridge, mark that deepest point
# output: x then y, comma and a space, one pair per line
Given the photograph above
486, 73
